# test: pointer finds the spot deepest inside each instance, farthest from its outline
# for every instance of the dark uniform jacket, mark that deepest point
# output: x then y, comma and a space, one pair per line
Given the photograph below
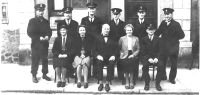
116, 31
83, 44
140, 29
72, 27
94, 28
149, 49
170, 36
39, 28
57, 47
105, 49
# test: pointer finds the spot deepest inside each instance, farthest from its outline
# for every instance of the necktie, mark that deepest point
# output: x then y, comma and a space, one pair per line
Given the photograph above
151, 38
63, 44
116, 22
67, 22
90, 19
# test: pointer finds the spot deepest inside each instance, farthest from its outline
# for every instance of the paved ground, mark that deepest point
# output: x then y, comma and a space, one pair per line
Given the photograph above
16, 79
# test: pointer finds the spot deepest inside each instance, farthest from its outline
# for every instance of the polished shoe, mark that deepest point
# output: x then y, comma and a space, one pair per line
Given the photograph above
107, 87
172, 81
127, 87
85, 85
79, 84
59, 84
46, 77
146, 87
34, 79
131, 86
158, 87
63, 84
100, 88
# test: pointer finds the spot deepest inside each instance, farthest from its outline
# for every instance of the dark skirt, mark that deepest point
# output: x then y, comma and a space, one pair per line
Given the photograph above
128, 64
62, 62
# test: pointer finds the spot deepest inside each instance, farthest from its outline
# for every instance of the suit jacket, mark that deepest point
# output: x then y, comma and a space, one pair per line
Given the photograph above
149, 49
39, 28
57, 47
116, 31
140, 29
86, 44
72, 27
94, 28
171, 35
123, 46
105, 49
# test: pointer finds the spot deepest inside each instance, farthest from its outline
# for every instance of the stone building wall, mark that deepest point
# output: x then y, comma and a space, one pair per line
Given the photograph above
10, 46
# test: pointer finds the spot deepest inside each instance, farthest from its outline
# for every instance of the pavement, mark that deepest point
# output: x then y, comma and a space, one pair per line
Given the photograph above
17, 79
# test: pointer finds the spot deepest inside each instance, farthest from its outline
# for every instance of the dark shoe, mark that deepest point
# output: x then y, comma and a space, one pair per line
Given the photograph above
59, 84
100, 88
158, 87
107, 87
131, 86
127, 87
85, 85
146, 87
46, 78
63, 84
79, 84
172, 81
34, 79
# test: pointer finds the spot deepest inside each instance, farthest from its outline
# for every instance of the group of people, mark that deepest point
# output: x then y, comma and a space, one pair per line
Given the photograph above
101, 44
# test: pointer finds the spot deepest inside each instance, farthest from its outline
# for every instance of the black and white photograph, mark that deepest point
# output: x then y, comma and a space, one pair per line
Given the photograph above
99, 47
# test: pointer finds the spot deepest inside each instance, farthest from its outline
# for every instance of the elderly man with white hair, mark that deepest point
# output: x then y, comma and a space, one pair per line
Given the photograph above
105, 53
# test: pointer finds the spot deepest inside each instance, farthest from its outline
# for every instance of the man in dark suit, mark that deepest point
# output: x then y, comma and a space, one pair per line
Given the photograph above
91, 21
40, 32
140, 30
105, 54
93, 24
149, 56
117, 31
170, 32
70, 24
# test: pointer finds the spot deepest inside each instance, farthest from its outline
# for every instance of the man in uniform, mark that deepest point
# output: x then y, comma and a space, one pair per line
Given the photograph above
170, 32
70, 24
93, 24
40, 33
91, 21
140, 30
117, 31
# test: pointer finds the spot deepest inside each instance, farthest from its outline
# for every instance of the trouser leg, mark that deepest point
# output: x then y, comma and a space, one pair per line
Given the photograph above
110, 70
145, 70
35, 62
99, 68
173, 71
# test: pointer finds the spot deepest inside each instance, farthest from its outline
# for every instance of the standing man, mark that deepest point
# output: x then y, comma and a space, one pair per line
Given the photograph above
170, 32
70, 24
93, 24
91, 21
140, 30
72, 27
40, 33
105, 54
117, 31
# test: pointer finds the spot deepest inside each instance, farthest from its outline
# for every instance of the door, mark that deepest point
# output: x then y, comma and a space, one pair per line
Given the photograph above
131, 12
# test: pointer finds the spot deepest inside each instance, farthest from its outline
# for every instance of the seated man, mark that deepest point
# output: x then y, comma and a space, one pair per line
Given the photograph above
105, 53
149, 51
82, 56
